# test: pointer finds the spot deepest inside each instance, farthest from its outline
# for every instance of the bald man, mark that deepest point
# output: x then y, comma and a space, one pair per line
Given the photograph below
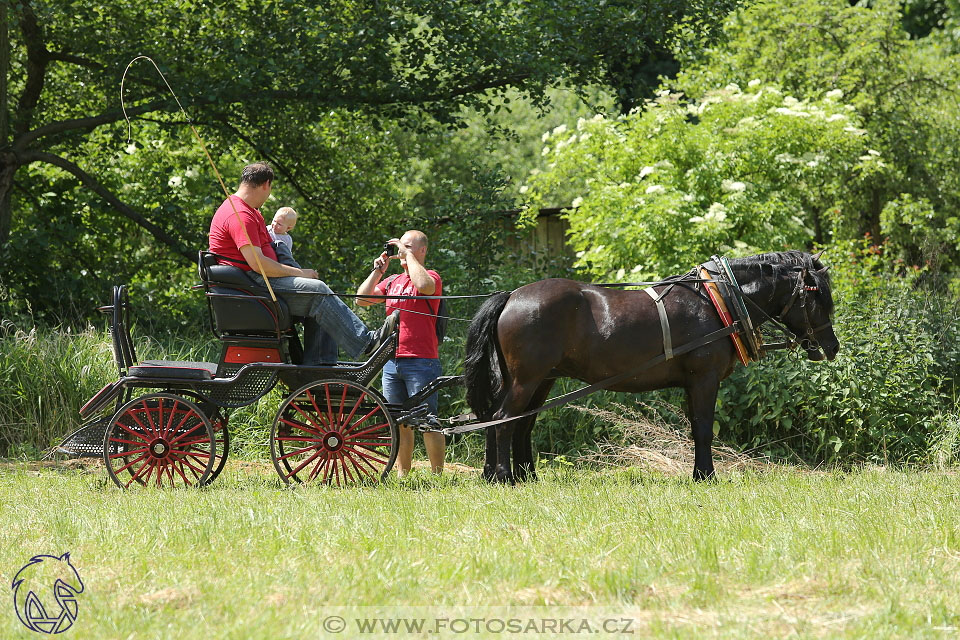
417, 360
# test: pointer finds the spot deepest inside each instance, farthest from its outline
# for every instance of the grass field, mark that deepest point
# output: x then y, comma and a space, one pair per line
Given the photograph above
871, 554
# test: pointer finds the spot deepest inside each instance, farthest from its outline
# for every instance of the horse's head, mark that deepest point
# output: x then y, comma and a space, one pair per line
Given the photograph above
808, 311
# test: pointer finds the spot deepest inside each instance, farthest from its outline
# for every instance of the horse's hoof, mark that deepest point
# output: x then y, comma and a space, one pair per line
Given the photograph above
699, 475
503, 476
487, 473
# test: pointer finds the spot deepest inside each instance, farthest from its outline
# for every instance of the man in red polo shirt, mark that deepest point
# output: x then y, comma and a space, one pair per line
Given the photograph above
417, 362
248, 247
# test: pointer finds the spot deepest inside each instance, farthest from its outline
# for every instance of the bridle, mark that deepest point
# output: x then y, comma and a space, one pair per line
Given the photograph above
801, 291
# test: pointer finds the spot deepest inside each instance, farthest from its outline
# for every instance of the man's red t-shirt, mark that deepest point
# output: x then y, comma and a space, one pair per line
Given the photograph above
226, 234
418, 331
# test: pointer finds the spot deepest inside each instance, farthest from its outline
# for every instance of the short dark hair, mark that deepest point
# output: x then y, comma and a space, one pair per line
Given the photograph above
256, 174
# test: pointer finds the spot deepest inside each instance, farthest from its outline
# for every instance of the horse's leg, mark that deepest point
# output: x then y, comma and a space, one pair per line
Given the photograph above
701, 406
517, 398
490, 454
523, 463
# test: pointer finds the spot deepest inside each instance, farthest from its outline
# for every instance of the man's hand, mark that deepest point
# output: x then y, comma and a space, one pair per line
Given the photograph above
381, 263
309, 273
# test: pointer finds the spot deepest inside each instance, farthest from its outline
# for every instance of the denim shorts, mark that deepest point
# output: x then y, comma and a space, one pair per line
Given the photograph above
404, 377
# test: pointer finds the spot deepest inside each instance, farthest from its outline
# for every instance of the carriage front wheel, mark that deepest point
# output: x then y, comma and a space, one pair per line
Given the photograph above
161, 440
334, 432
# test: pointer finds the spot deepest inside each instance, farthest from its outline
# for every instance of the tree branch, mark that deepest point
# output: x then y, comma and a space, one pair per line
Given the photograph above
125, 210
77, 60
22, 141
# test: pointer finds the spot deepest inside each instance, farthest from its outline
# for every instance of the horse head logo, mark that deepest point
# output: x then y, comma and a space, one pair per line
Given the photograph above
45, 593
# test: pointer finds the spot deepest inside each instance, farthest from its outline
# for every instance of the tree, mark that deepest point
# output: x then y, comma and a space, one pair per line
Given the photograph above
261, 69
904, 91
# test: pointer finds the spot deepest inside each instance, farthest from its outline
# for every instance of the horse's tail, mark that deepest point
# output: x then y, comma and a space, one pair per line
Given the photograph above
482, 368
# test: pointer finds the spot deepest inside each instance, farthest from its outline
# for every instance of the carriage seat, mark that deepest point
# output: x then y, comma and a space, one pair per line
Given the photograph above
179, 369
239, 305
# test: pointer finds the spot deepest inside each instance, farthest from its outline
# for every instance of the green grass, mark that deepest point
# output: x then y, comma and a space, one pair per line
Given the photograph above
870, 554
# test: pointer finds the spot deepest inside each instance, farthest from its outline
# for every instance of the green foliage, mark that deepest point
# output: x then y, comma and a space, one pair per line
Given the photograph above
740, 172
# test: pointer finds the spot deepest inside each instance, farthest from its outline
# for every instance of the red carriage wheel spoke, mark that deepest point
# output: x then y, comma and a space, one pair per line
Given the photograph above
306, 462
186, 463
131, 463
302, 427
296, 452
356, 405
326, 391
186, 416
186, 433
146, 409
369, 456
146, 466
357, 424
361, 472
142, 436
319, 414
124, 454
309, 418
359, 434
320, 465
343, 401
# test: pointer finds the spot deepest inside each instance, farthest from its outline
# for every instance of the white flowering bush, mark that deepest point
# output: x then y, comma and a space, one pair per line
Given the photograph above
739, 172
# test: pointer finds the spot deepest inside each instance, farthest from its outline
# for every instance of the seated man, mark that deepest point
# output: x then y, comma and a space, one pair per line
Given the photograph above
319, 347
247, 240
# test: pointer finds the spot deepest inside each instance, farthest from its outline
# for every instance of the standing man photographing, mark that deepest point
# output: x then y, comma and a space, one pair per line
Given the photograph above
246, 244
417, 362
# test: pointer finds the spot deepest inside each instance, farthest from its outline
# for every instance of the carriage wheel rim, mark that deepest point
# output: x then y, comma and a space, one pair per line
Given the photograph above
160, 440
333, 432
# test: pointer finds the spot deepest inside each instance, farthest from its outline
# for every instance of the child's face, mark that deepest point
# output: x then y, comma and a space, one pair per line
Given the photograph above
284, 224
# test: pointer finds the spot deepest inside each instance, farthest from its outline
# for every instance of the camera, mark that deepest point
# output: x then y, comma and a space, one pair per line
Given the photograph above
391, 249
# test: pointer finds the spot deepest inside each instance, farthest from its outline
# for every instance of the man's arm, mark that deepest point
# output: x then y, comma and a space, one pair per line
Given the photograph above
422, 280
369, 286
272, 268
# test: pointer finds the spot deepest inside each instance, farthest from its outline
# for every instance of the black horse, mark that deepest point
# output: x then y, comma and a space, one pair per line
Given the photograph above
520, 341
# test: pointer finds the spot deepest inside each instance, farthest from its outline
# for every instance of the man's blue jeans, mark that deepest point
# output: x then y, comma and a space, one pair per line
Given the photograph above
333, 316
404, 377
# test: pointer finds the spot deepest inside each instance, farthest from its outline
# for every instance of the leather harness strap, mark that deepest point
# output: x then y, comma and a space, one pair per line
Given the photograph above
664, 322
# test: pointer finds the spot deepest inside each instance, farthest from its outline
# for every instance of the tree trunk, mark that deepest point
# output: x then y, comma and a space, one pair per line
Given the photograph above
8, 167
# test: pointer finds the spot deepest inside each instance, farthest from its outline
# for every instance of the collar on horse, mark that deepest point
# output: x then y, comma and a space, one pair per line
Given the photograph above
724, 292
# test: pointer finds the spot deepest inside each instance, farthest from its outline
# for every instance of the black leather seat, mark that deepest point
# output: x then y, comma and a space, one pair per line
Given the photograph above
239, 305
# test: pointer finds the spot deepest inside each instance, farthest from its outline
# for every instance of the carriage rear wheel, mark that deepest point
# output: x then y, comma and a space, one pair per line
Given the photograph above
333, 432
162, 440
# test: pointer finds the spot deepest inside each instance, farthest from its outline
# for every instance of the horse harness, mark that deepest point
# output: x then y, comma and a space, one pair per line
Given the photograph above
724, 292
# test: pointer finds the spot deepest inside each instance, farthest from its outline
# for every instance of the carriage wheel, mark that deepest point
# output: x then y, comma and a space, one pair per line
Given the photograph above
218, 420
161, 440
334, 432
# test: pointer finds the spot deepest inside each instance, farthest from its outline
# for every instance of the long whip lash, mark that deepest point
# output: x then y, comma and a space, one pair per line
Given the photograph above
203, 146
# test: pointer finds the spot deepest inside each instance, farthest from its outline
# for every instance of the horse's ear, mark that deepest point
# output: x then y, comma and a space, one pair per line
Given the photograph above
819, 254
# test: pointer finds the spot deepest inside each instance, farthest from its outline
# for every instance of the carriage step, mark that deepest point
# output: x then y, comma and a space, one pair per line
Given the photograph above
87, 441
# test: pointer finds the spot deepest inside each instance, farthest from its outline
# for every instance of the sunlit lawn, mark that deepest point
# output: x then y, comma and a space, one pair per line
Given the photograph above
868, 554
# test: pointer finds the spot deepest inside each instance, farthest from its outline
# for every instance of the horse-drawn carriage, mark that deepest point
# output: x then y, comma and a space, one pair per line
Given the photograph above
165, 423
333, 428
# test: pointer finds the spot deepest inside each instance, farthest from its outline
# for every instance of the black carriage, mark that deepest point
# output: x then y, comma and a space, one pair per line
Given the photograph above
165, 423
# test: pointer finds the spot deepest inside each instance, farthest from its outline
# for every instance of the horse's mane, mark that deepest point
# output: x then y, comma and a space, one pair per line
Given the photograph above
782, 261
